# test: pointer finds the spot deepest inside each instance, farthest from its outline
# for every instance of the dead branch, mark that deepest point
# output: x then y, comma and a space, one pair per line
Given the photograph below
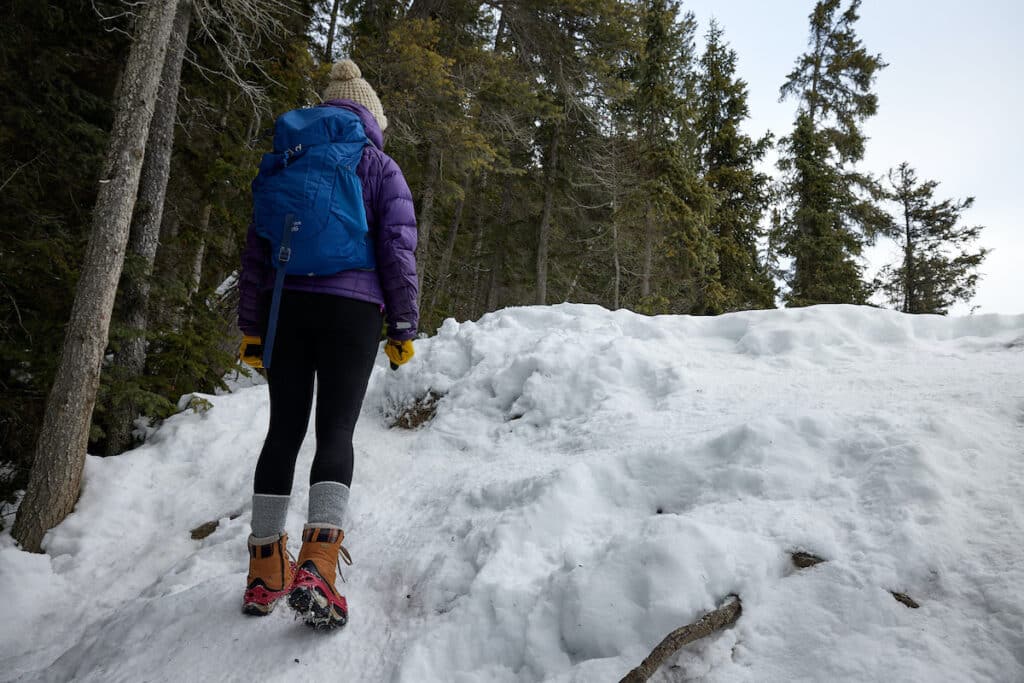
905, 599
19, 169
709, 623
804, 560
237, 29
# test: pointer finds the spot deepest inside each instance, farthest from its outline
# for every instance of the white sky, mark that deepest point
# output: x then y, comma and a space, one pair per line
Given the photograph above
950, 103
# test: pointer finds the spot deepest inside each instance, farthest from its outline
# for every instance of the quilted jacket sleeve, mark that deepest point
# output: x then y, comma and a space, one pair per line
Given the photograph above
396, 251
255, 263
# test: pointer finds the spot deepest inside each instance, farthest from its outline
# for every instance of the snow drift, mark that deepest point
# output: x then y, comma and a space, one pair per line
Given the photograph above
591, 480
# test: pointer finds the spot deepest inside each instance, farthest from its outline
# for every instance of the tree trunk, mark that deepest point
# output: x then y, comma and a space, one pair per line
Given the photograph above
426, 219
425, 9
145, 230
908, 266
575, 281
499, 35
449, 245
196, 275
645, 277
544, 234
617, 262
56, 477
478, 250
329, 48
498, 255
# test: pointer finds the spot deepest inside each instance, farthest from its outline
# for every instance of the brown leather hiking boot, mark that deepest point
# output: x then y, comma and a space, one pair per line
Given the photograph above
271, 572
313, 594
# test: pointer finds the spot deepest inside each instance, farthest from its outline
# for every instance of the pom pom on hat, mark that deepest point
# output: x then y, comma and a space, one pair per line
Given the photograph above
345, 70
347, 84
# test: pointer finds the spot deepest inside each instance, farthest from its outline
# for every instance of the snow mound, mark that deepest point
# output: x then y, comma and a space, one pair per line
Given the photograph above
591, 481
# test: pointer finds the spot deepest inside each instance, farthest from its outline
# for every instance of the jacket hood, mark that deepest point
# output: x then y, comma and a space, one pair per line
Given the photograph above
370, 124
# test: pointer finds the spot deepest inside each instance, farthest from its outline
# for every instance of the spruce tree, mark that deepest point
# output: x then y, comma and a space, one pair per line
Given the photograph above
741, 192
937, 268
830, 214
55, 479
60, 59
671, 203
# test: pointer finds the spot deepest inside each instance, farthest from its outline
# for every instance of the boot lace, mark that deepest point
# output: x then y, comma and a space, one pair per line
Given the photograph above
343, 556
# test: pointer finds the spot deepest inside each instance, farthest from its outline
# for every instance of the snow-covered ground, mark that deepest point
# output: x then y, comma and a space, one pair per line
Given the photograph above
591, 481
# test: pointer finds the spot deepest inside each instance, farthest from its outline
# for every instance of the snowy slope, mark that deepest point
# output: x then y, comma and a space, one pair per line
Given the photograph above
592, 480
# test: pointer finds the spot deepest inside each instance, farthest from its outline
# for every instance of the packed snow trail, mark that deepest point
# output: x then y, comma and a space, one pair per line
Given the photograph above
592, 480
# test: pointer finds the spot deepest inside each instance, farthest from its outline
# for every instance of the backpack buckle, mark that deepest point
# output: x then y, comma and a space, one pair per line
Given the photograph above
284, 255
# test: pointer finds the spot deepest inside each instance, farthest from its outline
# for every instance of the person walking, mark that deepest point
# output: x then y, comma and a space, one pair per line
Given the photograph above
325, 327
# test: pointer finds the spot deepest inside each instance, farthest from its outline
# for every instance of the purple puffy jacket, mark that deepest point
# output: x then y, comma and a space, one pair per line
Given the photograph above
392, 220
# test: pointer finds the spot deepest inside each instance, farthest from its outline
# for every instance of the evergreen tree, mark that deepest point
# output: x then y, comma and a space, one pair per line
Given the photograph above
187, 339
741, 193
58, 68
828, 217
671, 203
936, 269
55, 479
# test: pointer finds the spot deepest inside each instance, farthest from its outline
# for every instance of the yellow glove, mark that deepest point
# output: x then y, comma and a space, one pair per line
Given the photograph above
398, 352
251, 351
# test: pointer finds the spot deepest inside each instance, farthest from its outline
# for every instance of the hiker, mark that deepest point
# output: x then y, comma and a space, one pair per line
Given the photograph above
325, 326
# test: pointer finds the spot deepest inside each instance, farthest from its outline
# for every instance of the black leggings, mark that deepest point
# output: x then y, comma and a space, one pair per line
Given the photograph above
334, 339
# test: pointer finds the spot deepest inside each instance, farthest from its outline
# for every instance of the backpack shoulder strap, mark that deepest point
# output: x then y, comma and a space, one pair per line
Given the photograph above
282, 257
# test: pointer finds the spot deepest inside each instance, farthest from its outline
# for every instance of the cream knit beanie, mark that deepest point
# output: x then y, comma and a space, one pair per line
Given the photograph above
347, 84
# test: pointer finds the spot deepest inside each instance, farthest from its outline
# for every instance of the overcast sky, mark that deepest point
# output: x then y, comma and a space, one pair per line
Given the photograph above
950, 104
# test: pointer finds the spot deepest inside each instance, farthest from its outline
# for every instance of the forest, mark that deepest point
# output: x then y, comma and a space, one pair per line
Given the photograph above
568, 150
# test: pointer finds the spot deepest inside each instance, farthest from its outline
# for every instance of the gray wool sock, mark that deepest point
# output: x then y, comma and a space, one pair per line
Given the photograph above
269, 514
328, 501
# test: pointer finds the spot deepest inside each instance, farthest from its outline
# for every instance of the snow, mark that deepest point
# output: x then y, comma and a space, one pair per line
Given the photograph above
591, 481
229, 283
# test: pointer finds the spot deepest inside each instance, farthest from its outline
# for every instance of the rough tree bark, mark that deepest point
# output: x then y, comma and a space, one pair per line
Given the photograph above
544, 233
56, 477
145, 230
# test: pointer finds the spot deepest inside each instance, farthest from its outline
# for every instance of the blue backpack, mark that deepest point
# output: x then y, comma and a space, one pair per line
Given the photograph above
308, 200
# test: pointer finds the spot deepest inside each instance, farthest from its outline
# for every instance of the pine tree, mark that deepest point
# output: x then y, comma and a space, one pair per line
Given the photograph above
169, 334
144, 237
829, 218
741, 193
670, 205
936, 269
56, 58
56, 475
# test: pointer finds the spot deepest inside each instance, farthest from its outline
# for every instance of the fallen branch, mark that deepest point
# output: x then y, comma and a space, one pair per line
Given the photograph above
715, 621
204, 530
705, 626
804, 560
905, 599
